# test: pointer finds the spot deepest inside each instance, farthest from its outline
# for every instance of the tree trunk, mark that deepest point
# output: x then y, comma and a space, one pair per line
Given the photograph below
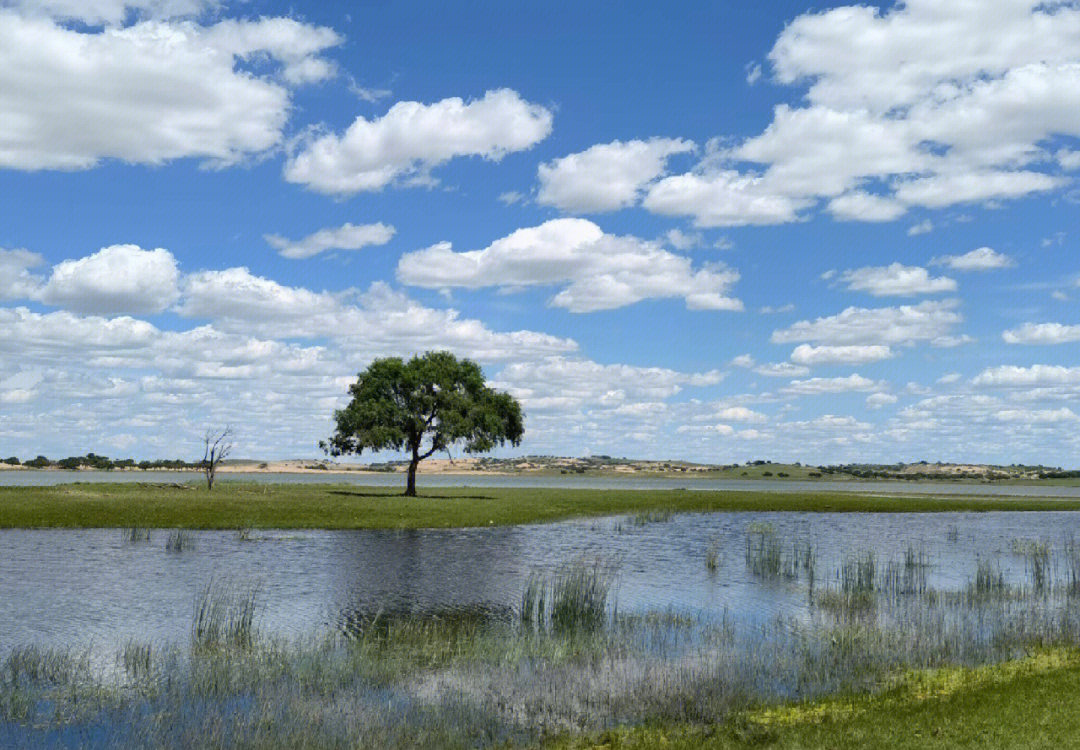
410, 488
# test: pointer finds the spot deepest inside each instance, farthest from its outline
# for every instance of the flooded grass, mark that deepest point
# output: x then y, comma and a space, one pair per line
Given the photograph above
180, 540
224, 616
134, 535
652, 516
712, 556
561, 663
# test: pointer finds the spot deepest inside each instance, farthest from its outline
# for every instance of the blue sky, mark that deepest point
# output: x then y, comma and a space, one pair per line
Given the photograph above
718, 232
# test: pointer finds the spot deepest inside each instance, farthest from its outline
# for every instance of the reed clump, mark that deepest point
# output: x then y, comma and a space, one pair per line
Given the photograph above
652, 516
574, 598
224, 616
769, 557
179, 540
563, 661
135, 534
712, 556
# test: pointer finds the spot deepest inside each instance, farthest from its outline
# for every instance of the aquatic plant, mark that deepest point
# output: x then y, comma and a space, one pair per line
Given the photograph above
533, 601
646, 517
563, 661
712, 555
857, 573
989, 580
179, 540
1071, 553
136, 534
908, 577
224, 616
136, 659
579, 595
764, 555
1038, 566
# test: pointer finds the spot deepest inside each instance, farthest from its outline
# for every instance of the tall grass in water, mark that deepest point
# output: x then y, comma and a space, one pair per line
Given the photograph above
466, 679
136, 659
767, 556
764, 555
1038, 567
909, 577
574, 598
224, 616
1071, 553
534, 602
858, 573
712, 556
989, 581
136, 534
652, 516
179, 540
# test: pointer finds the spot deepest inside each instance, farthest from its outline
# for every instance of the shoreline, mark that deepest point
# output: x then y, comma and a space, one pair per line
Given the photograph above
235, 505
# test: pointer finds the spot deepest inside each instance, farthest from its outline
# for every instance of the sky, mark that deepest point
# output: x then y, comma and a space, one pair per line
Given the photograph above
713, 231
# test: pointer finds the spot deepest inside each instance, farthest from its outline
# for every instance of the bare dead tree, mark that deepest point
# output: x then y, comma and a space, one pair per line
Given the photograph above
218, 445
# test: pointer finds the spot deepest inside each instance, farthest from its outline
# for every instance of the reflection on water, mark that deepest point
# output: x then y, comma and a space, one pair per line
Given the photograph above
96, 588
48, 478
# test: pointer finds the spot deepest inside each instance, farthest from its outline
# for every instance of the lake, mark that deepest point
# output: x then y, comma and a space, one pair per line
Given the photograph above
95, 589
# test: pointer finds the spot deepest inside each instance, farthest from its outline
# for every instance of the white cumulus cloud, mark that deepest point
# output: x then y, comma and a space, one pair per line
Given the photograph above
16, 281
116, 279
599, 271
805, 354
1042, 333
980, 259
896, 280
815, 386
413, 138
919, 103
721, 199
1012, 376
931, 321
149, 92
346, 237
605, 177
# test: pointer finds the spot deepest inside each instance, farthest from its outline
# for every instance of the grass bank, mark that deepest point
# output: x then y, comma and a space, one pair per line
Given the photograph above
341, 506
1027, 703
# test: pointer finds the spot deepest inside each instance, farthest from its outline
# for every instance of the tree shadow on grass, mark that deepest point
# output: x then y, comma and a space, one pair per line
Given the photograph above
421, 496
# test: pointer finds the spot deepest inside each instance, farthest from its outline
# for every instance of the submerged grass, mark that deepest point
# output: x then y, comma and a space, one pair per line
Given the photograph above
179, 540
234, 505
477, 679
712, 555
566, 667
134, 535
224, 616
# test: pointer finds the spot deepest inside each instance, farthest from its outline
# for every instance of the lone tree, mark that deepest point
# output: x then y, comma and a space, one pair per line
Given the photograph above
218, 445
422, 406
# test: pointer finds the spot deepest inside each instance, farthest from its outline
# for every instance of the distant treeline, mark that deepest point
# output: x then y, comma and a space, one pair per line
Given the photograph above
101, 463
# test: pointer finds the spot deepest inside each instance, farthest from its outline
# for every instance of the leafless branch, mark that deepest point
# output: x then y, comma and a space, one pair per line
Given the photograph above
217, 447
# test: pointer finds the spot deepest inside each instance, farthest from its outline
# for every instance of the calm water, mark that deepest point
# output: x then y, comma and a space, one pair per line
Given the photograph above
69, 587
44, 478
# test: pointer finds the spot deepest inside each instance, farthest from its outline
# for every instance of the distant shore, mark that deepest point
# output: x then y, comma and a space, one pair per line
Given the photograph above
606, 466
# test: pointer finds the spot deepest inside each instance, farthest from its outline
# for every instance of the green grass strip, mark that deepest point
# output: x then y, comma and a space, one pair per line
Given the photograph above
1027, 703
328, 506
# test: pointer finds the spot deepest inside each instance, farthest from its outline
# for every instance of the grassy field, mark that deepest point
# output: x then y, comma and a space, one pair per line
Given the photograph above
329, 506
1028, 703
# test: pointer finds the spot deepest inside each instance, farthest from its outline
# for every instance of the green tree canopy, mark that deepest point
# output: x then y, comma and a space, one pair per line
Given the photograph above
423, 406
